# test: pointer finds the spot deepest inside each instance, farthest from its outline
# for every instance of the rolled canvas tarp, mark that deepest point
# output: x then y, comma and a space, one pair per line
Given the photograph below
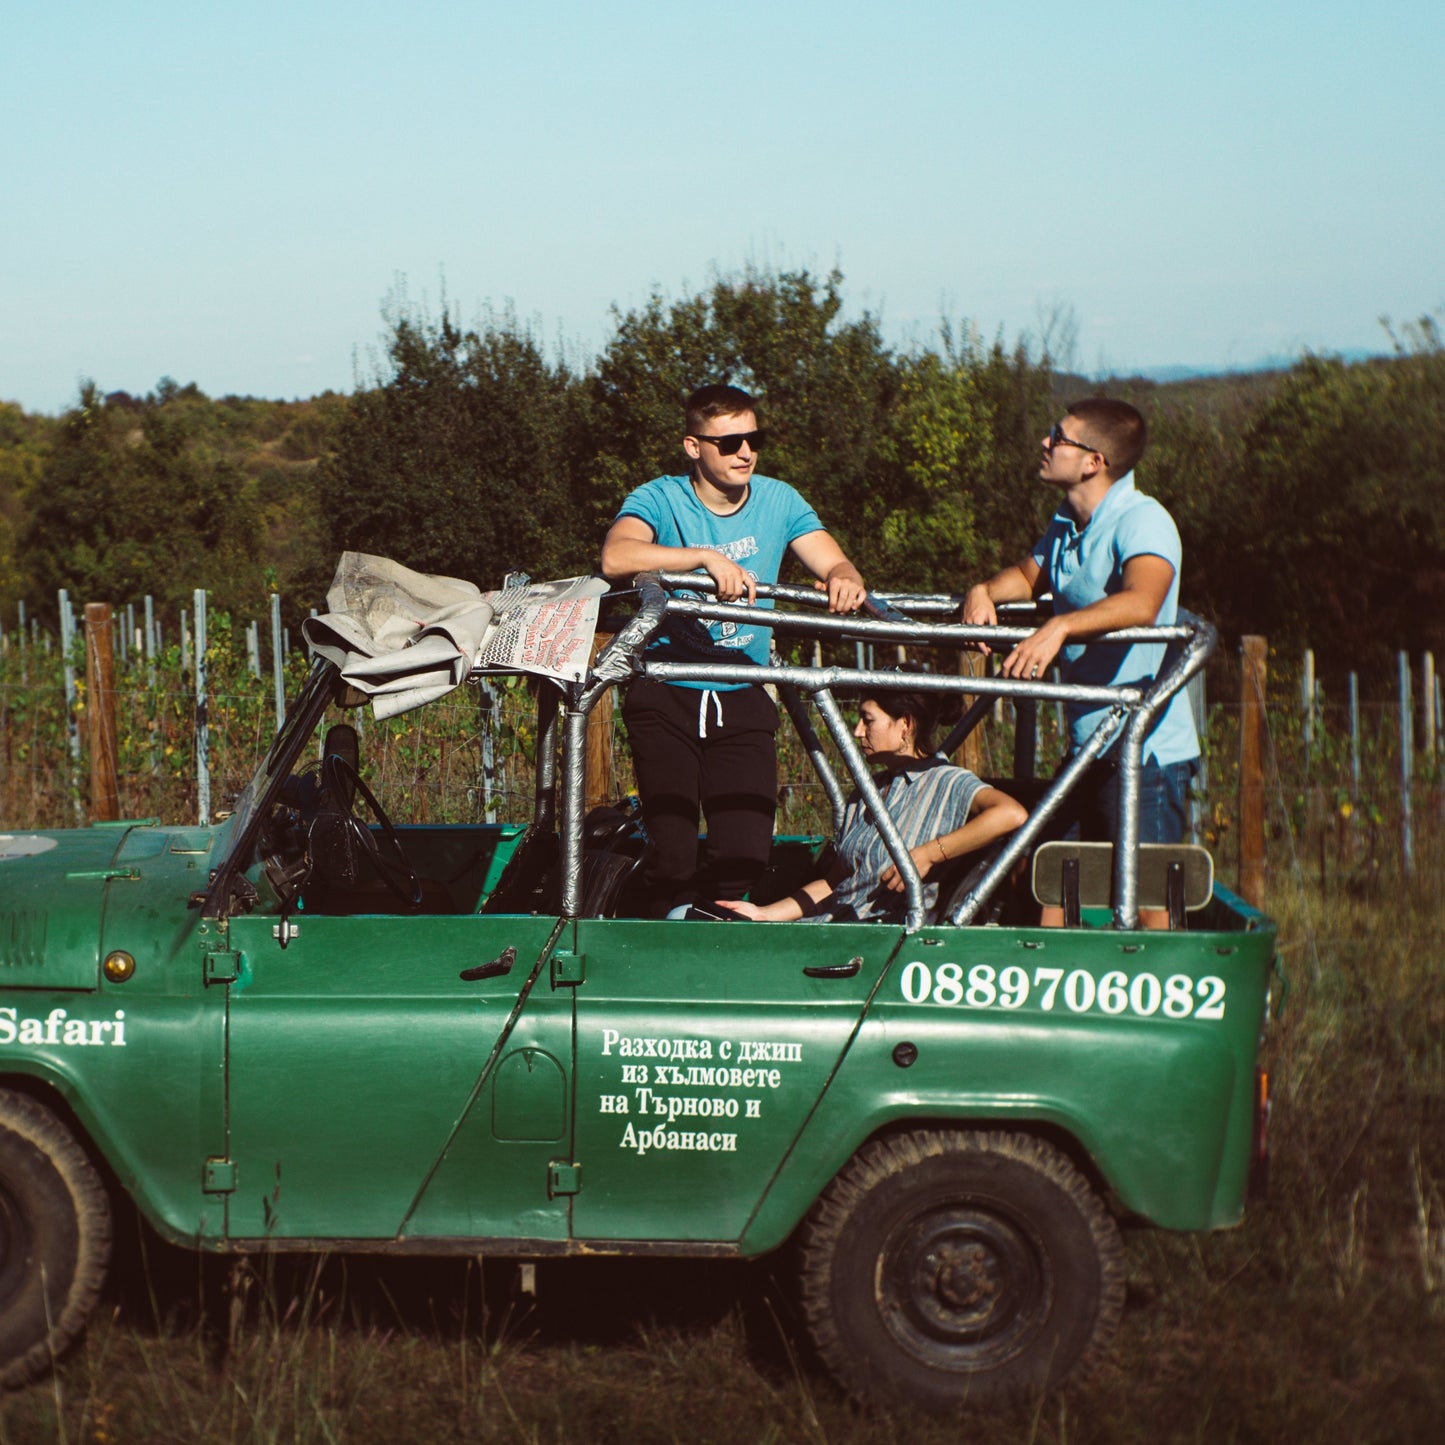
405, 638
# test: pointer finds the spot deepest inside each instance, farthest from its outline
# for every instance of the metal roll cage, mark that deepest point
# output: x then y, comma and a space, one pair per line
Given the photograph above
892, 618
928, 620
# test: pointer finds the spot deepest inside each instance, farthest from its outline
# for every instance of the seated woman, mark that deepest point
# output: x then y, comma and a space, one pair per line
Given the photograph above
941, 811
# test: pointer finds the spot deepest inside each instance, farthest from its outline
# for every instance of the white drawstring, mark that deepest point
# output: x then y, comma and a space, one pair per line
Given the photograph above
703, 695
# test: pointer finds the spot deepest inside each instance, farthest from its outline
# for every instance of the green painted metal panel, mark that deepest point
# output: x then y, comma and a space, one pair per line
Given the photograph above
702, 1048
1140, 1047
353, 1054
51, 894
141, 1062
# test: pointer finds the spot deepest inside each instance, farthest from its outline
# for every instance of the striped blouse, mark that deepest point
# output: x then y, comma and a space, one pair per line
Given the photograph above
926, 799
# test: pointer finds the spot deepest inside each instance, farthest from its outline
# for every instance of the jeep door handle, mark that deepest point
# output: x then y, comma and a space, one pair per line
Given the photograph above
501, 964
835, 970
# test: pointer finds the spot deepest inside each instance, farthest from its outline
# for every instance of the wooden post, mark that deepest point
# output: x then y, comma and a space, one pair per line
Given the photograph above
973, 664
1253, 672
100, 712
601, 785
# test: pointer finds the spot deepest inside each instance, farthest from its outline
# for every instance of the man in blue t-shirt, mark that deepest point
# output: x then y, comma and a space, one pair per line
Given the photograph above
1110, 557
701, 745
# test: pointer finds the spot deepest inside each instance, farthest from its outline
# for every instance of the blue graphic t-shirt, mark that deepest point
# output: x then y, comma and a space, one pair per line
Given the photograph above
756, 537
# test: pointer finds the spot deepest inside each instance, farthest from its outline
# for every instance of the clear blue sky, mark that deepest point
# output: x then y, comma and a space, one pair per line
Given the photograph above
228, 194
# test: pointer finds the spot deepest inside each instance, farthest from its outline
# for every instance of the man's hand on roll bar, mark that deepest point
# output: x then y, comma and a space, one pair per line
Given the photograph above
845, 589
733, 582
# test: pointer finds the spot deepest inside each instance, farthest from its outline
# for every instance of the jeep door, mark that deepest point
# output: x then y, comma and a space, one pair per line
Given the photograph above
353, 1062
702, 1048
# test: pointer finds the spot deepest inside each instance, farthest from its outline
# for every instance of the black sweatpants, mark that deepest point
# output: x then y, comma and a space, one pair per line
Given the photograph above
716, 751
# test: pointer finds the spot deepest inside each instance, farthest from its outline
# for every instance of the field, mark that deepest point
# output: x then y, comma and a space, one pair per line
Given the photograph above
1321, 1318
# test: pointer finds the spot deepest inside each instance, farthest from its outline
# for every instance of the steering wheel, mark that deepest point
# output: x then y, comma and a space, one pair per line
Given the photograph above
340, 778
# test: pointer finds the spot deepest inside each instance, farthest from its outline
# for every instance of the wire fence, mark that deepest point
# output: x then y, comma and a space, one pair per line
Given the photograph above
1354, 799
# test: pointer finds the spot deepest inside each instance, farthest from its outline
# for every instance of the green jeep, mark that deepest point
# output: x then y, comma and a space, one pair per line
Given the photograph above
304, 1028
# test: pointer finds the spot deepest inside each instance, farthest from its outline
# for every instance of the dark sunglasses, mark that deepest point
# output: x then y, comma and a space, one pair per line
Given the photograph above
1058, 439
731, 444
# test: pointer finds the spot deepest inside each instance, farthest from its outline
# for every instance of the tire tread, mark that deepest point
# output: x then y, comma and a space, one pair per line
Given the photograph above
883, 1160
38, 1126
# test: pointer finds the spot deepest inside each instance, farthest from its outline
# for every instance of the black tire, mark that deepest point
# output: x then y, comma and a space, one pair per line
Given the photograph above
943, 1267
54, 1238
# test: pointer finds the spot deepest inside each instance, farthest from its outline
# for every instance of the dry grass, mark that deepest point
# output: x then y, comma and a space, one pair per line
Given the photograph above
1322, 1318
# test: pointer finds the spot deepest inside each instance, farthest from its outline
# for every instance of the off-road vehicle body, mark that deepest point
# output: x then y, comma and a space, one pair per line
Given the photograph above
467, 1047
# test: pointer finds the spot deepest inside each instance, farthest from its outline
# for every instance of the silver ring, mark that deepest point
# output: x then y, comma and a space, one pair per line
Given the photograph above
1033, 672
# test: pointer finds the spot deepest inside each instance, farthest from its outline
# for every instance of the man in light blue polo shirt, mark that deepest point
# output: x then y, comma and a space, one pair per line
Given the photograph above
1111, 558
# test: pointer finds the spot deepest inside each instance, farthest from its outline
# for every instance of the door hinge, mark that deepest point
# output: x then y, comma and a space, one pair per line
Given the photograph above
218, 1176
568, 969
222, 966
563, 1177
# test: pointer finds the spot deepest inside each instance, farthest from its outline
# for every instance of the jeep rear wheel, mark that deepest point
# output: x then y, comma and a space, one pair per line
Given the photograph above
54, 1238
944, 1267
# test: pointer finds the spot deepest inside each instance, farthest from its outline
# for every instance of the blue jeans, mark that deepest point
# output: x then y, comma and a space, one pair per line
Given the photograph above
1091, 812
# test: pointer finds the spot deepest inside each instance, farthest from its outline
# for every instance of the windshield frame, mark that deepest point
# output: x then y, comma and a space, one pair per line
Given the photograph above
258, 797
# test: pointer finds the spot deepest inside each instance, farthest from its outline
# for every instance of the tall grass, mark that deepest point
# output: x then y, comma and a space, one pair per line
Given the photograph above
1320, 1318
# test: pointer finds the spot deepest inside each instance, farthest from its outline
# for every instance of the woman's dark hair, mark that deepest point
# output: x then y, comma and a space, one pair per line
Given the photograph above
926, 710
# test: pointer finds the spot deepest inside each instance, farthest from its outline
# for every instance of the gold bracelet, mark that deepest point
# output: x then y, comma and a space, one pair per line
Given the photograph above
938, 843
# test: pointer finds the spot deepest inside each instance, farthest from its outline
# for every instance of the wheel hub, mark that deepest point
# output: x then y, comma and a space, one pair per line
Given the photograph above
963, 1287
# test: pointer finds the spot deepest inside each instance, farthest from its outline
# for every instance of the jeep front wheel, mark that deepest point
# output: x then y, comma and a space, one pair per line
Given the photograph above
950, 1266
54, 1238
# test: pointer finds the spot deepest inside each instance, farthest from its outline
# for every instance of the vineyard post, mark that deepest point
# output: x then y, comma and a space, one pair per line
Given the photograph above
100, 712
1439, 706
1307, 704
278, 660
1427, 703
1199, 789
24, 666
151, 648
1355, 736
203, 723
1254, 667
67, 670
487, 706
1407, 769
152, 642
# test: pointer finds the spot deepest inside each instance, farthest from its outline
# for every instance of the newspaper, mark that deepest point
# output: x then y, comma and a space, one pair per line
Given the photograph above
405, 638
543, 627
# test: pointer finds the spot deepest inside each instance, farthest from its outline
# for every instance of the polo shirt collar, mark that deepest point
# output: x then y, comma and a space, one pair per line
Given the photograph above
1113, 499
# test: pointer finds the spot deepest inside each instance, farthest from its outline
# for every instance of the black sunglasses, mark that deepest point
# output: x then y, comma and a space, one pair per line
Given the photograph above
731, 444
1058, 439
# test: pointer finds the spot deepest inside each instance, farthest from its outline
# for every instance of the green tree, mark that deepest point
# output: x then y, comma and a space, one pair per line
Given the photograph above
133, 499
24, 444
1328, 531
458, 461
826, 387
